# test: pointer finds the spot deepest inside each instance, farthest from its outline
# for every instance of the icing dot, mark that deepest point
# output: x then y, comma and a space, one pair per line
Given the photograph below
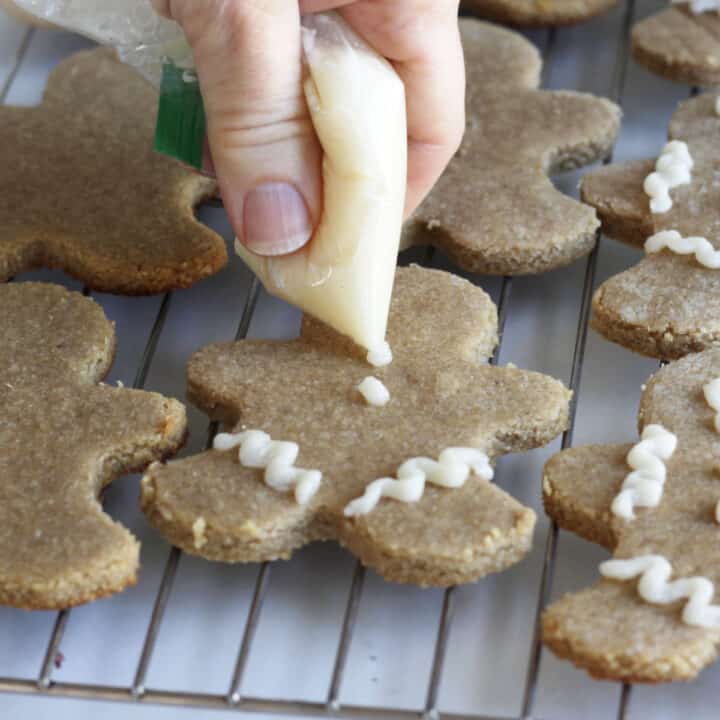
703, 250
277, 458
644, 486
654, 572
380, 355
671, 170
374, 391
451, 470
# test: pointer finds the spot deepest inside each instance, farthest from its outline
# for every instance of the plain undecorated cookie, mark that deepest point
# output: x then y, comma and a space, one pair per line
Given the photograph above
64, 437
537, 12
608, 629
680, 45
668, 304
495, 210
442, 329
82, 189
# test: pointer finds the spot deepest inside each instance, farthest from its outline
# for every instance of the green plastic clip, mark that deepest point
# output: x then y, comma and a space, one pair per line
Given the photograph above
180, 128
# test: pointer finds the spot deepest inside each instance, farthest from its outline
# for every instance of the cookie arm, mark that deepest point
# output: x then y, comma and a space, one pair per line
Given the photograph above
524, 409
664, 307
578, 488
616, 192
210, 505
676, 44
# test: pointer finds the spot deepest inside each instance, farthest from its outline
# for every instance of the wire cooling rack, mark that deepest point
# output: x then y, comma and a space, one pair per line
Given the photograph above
319, 636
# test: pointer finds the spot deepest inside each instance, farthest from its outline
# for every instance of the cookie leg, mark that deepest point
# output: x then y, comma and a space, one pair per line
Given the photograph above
210, 505
449, 537
610, 632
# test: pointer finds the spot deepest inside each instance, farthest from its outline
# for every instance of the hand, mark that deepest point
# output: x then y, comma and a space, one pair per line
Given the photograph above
265, 153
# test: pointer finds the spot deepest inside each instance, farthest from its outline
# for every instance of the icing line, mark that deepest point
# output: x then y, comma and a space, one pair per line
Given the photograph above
643, 487
451, 470
654, 587
703, 250
671, 170
258, 450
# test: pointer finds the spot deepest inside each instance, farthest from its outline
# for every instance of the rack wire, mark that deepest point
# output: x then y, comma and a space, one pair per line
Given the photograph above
233, 698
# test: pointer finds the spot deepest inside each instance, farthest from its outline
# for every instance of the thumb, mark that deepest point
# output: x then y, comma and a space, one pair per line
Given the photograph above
265, 152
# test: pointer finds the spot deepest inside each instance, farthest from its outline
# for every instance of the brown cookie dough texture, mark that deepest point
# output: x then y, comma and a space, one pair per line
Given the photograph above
64, 437
608, 629
680, 45
668, 304
494, 210
442, 330
537, 12
82, 189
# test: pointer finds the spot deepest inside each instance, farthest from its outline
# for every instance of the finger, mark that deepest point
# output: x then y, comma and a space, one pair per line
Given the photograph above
264, 149
314, 6
422, 40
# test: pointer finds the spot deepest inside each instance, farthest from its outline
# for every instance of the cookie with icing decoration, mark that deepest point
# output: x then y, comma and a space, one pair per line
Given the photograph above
669, 303
654, 614
82, 189
681, 43
537, 13
64, 437
495, 210
403, 482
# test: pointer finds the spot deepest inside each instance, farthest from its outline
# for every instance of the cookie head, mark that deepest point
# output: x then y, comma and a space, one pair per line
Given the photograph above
654, 505
64, 437
442, 395
495, 210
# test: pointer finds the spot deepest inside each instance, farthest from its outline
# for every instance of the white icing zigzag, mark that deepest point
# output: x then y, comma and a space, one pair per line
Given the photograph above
712, 396
703, 250
655, 572
644, 486
671, 170
451, 470
277, 458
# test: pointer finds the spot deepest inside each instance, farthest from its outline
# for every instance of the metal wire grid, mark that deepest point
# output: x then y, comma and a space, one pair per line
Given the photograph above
233, 698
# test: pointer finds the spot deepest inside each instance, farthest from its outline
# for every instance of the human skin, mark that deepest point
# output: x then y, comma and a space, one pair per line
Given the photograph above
264, 150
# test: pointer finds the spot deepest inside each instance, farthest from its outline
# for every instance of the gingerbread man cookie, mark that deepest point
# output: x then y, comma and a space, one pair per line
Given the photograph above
655, 615
537, 12
681, 43
82, 189
669, 303
494, 210
63, 437
400, 476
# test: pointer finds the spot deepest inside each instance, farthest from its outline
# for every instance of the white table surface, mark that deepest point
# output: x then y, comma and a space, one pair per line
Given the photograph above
391, 653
